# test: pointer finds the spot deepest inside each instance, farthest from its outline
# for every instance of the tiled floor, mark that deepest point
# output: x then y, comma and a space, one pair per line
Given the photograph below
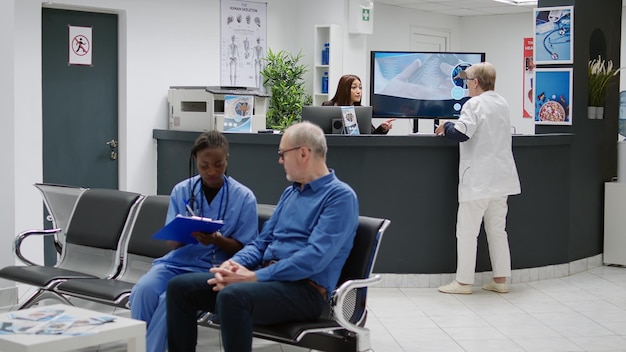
582, 312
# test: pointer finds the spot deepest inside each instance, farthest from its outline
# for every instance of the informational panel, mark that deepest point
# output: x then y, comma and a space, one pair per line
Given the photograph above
80, 45
553, 96
554, 42
243, 43
529, 73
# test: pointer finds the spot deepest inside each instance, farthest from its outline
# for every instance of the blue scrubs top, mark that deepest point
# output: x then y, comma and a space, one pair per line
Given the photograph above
234, 203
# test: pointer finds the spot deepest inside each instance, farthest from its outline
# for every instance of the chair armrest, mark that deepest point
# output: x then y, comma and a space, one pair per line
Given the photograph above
17, 245
337, 302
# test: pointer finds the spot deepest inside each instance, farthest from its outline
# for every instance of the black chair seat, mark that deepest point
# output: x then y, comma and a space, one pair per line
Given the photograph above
40, 275
291, 331
109, 290
286, 332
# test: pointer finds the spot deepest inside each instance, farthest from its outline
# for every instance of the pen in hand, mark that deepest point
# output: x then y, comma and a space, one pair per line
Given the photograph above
189, 209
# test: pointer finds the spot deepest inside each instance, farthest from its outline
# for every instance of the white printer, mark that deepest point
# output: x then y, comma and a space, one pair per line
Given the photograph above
202, 108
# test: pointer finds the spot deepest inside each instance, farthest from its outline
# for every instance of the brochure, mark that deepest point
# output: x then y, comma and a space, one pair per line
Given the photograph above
47, 321
181, 228
43, 314
350, 126
238, 113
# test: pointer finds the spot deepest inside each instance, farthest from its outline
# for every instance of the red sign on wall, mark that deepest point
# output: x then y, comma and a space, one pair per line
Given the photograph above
529, 76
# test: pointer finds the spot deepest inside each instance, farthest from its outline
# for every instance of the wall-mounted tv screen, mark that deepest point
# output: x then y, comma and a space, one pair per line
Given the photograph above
419, 84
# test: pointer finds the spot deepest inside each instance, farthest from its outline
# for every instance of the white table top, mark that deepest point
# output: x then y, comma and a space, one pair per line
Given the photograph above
119, 330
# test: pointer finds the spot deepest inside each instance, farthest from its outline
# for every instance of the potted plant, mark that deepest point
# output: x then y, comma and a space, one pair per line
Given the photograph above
283, 75
601, 73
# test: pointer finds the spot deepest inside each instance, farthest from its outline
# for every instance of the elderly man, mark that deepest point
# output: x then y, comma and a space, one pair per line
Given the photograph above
293, 264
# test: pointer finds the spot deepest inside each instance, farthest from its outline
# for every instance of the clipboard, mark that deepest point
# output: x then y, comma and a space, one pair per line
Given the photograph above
181, 228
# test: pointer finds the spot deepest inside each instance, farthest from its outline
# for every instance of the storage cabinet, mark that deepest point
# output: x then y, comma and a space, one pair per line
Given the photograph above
333, 35
614, 224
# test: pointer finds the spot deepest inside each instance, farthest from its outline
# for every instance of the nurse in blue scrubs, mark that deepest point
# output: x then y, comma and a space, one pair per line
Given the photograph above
210, 194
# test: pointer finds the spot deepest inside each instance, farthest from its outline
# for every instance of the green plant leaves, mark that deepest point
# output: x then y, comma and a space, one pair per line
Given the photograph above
600, 73
284, 76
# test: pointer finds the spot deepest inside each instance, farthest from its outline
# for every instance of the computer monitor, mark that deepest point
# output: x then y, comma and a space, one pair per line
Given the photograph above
413, 84
330, 120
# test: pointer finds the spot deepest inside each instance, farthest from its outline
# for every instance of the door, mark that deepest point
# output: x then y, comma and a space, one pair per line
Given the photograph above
80, 102
80, 105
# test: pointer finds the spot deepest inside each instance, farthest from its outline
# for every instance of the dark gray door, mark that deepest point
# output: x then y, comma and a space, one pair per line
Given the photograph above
80, 109
79, 105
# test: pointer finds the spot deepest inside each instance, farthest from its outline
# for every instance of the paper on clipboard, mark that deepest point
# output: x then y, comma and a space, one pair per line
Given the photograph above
181, 228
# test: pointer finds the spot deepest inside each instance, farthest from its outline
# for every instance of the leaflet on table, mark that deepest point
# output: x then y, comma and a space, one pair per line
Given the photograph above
181, 228
350, 126
51, 322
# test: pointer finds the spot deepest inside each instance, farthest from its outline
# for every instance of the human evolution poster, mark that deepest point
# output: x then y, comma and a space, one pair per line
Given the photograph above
243, 43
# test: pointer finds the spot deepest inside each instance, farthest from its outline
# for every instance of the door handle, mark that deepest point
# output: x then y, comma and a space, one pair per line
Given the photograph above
113, 145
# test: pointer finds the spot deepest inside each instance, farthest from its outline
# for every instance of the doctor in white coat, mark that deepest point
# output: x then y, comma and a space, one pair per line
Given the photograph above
487, 176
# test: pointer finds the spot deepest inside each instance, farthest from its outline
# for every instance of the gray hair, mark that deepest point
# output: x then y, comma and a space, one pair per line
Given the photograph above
307, 134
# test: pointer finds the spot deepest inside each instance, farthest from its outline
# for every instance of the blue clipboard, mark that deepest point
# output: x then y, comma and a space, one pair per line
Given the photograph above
181, 228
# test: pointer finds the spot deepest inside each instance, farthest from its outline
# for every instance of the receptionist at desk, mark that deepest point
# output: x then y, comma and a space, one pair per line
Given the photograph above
348, 93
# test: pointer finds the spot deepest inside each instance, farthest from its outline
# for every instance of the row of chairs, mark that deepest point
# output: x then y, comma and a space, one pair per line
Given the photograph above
106, 246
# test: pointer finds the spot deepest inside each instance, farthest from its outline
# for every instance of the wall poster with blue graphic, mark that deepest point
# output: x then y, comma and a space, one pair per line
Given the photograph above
238, 113
554, 35
553, 96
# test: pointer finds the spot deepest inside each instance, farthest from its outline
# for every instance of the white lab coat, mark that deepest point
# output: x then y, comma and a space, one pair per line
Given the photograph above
486, 166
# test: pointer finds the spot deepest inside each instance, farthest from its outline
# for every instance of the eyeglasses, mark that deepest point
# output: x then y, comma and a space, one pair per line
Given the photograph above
281, 153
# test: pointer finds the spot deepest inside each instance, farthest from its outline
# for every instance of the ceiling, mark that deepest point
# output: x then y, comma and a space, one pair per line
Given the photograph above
460, 7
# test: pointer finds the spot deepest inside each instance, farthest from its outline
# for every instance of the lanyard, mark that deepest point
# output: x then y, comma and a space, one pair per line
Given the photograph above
190, 203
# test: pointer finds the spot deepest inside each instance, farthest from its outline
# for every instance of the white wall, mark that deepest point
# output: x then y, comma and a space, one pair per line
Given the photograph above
7, 136
392, 31
501, 37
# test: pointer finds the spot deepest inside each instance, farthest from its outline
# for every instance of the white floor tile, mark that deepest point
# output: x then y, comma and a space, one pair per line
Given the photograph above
553, 344
582, 312
489, 345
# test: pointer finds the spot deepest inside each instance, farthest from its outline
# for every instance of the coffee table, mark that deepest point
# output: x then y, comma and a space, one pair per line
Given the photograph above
122, 329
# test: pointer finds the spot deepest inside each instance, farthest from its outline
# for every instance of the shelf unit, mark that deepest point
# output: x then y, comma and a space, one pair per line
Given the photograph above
332, 34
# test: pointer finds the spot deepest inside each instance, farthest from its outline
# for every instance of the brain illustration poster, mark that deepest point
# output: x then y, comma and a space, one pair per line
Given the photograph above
243, 43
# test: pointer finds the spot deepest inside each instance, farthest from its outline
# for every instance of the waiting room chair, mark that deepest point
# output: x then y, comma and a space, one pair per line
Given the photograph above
141, 252
59, 201
94, 239
341, 327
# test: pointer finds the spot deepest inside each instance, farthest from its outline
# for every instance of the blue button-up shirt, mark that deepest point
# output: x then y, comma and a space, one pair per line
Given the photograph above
310, 234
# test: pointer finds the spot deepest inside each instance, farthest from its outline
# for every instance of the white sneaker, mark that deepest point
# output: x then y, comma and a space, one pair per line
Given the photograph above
496, 287
456, 288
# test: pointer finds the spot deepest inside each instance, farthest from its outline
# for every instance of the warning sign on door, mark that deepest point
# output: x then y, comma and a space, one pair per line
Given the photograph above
80, 45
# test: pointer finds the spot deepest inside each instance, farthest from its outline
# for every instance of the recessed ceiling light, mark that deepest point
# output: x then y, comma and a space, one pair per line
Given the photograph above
519, 2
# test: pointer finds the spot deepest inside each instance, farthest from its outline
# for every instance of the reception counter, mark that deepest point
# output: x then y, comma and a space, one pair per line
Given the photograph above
412, 180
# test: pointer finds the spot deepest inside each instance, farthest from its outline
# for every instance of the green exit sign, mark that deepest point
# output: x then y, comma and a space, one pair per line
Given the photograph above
365, 15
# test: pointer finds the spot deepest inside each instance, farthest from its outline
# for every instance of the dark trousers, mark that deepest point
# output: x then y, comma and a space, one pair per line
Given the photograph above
238, 306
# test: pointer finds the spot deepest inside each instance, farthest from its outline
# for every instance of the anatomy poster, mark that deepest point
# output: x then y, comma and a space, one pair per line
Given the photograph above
554, 35
553, 96
243, 43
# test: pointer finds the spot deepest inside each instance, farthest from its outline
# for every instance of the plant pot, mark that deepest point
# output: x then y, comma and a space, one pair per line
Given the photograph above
599, 112
591, 112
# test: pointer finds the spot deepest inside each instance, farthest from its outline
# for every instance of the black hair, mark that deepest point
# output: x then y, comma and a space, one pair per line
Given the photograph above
207, 140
